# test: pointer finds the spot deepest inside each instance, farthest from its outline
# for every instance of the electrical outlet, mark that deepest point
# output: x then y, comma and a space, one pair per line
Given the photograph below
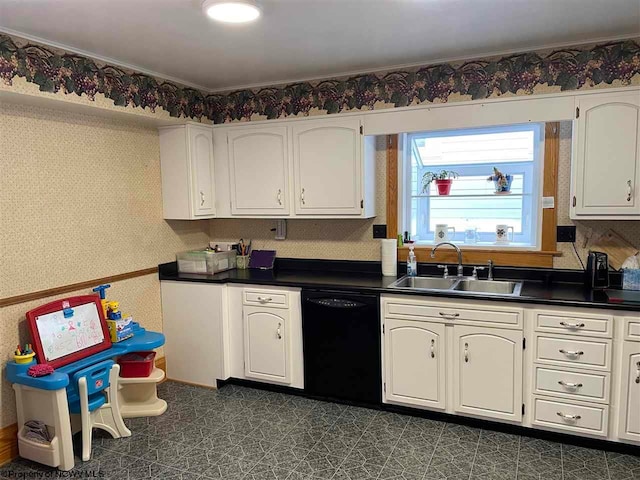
379, 231
566, 233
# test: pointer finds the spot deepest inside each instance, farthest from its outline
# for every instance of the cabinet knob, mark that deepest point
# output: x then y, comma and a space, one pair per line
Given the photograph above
466, 353
279, 197
433, 348
568, 417
201, 198
278, 332
629, 190
302, 196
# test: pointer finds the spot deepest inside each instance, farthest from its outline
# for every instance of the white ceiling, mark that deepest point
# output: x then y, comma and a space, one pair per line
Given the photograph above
304, 39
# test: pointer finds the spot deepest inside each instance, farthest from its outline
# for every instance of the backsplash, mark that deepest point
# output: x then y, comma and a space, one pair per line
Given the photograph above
611, 64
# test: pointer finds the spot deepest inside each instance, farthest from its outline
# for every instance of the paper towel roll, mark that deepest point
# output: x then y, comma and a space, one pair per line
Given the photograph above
389, 248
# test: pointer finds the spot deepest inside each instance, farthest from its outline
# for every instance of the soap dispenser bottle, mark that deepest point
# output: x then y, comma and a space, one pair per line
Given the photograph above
412, 263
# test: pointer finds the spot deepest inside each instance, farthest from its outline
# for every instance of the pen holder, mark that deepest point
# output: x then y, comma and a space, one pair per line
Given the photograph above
242, 262
23, 359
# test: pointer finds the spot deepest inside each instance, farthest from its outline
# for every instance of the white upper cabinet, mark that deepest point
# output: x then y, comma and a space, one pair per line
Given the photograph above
487, 374
258, 168
606, 149
327, 162
186, 159
414, 359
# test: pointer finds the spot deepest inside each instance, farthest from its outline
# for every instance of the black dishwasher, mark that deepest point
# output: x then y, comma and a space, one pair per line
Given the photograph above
341, 341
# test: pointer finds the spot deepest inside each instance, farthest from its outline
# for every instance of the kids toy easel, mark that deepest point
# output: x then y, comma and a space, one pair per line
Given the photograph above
70, 350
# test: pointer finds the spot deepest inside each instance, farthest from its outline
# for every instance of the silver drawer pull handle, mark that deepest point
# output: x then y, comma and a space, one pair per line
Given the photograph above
279, 196
572, 325
264, 299
201, 198
628, 190
466, 352
570, 418
570, 385
302, 196
571, 353
638, 372
278, 332
433, 349
449, 315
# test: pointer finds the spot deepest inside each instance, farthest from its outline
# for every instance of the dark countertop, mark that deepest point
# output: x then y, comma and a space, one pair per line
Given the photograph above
540, 286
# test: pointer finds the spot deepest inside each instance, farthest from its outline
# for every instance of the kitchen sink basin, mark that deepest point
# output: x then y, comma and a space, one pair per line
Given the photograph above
424, 283
459, 285
496, 287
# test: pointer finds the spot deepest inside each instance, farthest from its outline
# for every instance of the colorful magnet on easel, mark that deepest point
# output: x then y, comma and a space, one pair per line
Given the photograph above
67, 312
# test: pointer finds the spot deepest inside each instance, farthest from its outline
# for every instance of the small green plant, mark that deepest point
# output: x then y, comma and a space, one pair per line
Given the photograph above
429, 177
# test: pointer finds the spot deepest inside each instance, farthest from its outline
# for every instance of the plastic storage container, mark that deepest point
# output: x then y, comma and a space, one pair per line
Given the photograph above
136, 365
206, 261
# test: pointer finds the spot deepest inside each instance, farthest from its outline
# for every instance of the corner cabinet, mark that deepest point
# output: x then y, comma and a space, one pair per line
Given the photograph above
487, 374
327, 163
186, 164
606, 163
629, 422
258, 168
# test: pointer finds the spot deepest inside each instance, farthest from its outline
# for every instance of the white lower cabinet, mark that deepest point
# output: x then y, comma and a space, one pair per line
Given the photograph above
415, 363
629, 421
487, 373
267, 346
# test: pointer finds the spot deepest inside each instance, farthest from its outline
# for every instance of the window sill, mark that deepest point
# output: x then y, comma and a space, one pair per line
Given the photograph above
478, 256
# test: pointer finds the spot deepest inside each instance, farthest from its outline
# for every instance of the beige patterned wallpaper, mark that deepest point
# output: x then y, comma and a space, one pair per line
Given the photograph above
586, 231
80, 199
324, 239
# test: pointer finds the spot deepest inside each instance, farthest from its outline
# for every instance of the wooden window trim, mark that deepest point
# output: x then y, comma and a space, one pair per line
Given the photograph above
471, 255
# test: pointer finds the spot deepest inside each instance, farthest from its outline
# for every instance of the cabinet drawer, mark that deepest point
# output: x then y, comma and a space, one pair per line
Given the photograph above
453, 313
586, 353
266, 298
632, 328
588, 325
572, 384
584, 418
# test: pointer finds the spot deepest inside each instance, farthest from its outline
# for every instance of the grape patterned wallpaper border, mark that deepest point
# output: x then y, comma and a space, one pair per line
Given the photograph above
53, 70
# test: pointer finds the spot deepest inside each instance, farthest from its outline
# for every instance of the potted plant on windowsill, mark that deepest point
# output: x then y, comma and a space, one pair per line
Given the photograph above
501, 182
442, 179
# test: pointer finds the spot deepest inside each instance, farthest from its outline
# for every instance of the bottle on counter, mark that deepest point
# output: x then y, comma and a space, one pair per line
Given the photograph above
412, 263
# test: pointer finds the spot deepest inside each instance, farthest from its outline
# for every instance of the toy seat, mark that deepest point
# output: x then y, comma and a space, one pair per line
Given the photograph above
97, 402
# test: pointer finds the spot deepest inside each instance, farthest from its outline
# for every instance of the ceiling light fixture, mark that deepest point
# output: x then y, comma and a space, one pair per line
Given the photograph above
231, 11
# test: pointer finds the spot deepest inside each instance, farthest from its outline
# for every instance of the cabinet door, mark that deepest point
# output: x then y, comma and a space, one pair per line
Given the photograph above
266, 344
487, 375
258, 161
202, 182
327, 159
414, 363
629, 426
608, 155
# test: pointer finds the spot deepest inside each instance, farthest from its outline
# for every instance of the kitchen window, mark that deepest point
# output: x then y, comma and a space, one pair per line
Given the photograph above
472, 204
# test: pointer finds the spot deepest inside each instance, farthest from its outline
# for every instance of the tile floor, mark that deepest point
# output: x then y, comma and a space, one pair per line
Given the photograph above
238, 432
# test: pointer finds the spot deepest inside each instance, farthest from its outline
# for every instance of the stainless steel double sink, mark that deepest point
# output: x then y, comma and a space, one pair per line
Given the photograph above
461, 285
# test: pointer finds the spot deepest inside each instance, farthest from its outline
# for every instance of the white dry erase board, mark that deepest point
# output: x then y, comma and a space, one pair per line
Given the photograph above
68, 330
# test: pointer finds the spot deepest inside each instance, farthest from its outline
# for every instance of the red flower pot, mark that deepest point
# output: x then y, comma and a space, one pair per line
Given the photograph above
444, 186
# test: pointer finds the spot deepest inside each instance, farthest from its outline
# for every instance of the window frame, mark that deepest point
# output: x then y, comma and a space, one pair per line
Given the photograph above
511, 257
536, 167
